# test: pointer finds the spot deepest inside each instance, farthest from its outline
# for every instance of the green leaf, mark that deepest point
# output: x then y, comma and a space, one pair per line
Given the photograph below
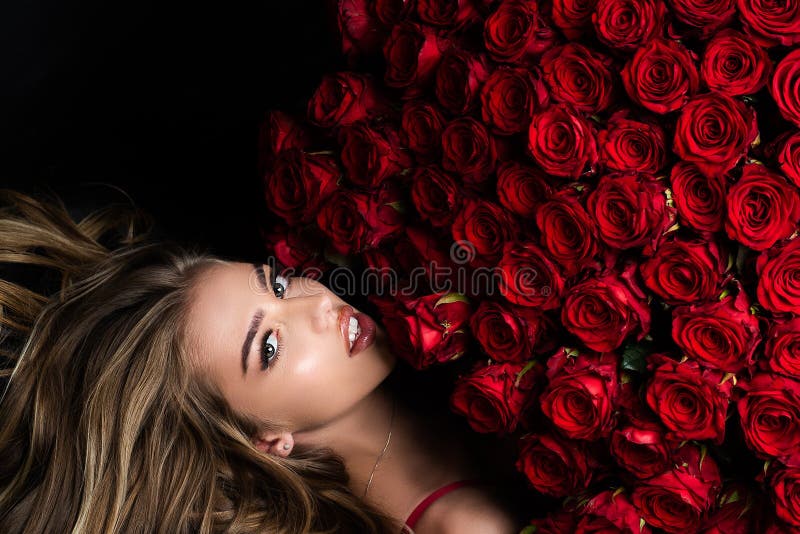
451, 297
634, 357
530, 529
524, 370
397, 205
642, 523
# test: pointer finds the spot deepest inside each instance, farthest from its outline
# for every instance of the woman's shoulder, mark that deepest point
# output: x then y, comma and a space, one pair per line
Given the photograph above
467, 510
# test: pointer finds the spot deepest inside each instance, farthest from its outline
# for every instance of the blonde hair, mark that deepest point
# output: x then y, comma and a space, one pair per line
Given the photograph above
104, 425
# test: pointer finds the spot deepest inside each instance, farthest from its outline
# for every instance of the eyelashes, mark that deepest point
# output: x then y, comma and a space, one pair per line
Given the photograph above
267, 349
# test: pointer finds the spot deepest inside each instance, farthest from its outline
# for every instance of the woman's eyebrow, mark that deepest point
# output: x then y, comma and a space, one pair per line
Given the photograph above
255, 322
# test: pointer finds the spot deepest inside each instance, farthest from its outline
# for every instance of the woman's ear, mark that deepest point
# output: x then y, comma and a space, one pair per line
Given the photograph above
279, 444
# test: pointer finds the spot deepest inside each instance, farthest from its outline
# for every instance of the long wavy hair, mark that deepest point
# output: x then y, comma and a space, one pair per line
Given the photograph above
104, 425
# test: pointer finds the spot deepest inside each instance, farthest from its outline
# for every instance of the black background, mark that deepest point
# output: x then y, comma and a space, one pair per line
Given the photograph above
162, 99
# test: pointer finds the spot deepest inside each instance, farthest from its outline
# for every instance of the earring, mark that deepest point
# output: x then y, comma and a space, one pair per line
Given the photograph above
286, 446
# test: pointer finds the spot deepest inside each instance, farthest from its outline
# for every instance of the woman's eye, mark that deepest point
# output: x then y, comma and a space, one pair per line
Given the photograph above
279, 285
269, 350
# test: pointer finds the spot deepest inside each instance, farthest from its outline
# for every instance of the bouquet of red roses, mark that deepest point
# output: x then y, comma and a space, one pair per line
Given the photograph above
596, 204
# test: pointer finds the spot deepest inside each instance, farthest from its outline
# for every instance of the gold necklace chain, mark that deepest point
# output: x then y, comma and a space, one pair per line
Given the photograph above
394, 407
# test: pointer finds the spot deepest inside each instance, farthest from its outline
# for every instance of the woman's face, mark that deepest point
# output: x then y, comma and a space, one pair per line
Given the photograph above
313, 379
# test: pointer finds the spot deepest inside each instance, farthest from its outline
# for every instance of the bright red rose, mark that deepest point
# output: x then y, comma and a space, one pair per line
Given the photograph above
421, 130
575, 153
705, 18
468, 150
482, 228
610, 511
529, 277
714, 131
568, 232
785, 86
677, 500
783, 347
451, 14
515, 32
740, 506
721, 334
507, 333
494, 398
521, 189
579, 76
580, 396
370, 155
630, 210
298, 183
554, 465
789, 158
632, 145
770, 25
700, 199
436, 195
510, 97
734, 65
412, 53
459, 79
763, 208
640, 446
686, 271
343, 98
769, 412
661, 76
777, 268
692, 402
784, 483
627, 24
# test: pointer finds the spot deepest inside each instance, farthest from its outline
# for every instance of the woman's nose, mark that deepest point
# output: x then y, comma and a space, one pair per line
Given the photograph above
323, 317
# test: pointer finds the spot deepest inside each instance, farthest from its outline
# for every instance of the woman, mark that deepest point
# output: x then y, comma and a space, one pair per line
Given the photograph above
163, 389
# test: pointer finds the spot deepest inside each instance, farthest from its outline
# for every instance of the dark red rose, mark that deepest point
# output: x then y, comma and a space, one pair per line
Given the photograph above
412, 54
704, 17
579, 76
783, 347
521, 189
510, 97
769, 413
362, 34
714, 131
610, 511
722, 334
691, 401
678, 499
789, 158
632, 145
435, 195
370, 155
390, 12
507, 333
297, 247
459, 79
529, 277
481, 228
468, 150
784, 483
276, 133
739, 508
563, 142
627, 24
640, 446
763, 208
700, 199
605, 309
453, 14
554, 465
574, 17
298, 183
431, 252
428, 330
580, 396
686, 271
777, 268
630, 210
770, 25
421, 130
734, 65
661, 76
568, 232
785, 86
494, 398
512, 34
343, 98
556, 522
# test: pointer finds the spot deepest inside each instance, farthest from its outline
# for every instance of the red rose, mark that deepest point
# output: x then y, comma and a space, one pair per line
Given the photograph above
453, 14
626, 25
298, 183
494, 397
370, 155
686, 271
661, 76
734, 65
705, 17
554, 465
276, 133
714, 131
563, 142
632, 145
482, 227
512, 33
678, 499
556, 522
689, 400
435, 195
412, 54
777, 270
783, 347
529, 277
574, 17
789, 158
785, 485
297, 247
521, 189
630, 210
700, 199
610, 511
425, 330
580, 395
362, 34
507, 333
421, 130
468, 150
568, 232
769, 25
510, 97
721, 334
763, 208
343, 98
579, 76
739, 509
769, 413
604, 310
459, 79
640, 447
785, 84
390, 12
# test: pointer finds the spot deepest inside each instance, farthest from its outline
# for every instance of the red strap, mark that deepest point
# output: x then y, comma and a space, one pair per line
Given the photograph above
421, 507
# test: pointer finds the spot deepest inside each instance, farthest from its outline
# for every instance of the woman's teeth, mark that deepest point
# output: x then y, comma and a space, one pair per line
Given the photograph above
355, 330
